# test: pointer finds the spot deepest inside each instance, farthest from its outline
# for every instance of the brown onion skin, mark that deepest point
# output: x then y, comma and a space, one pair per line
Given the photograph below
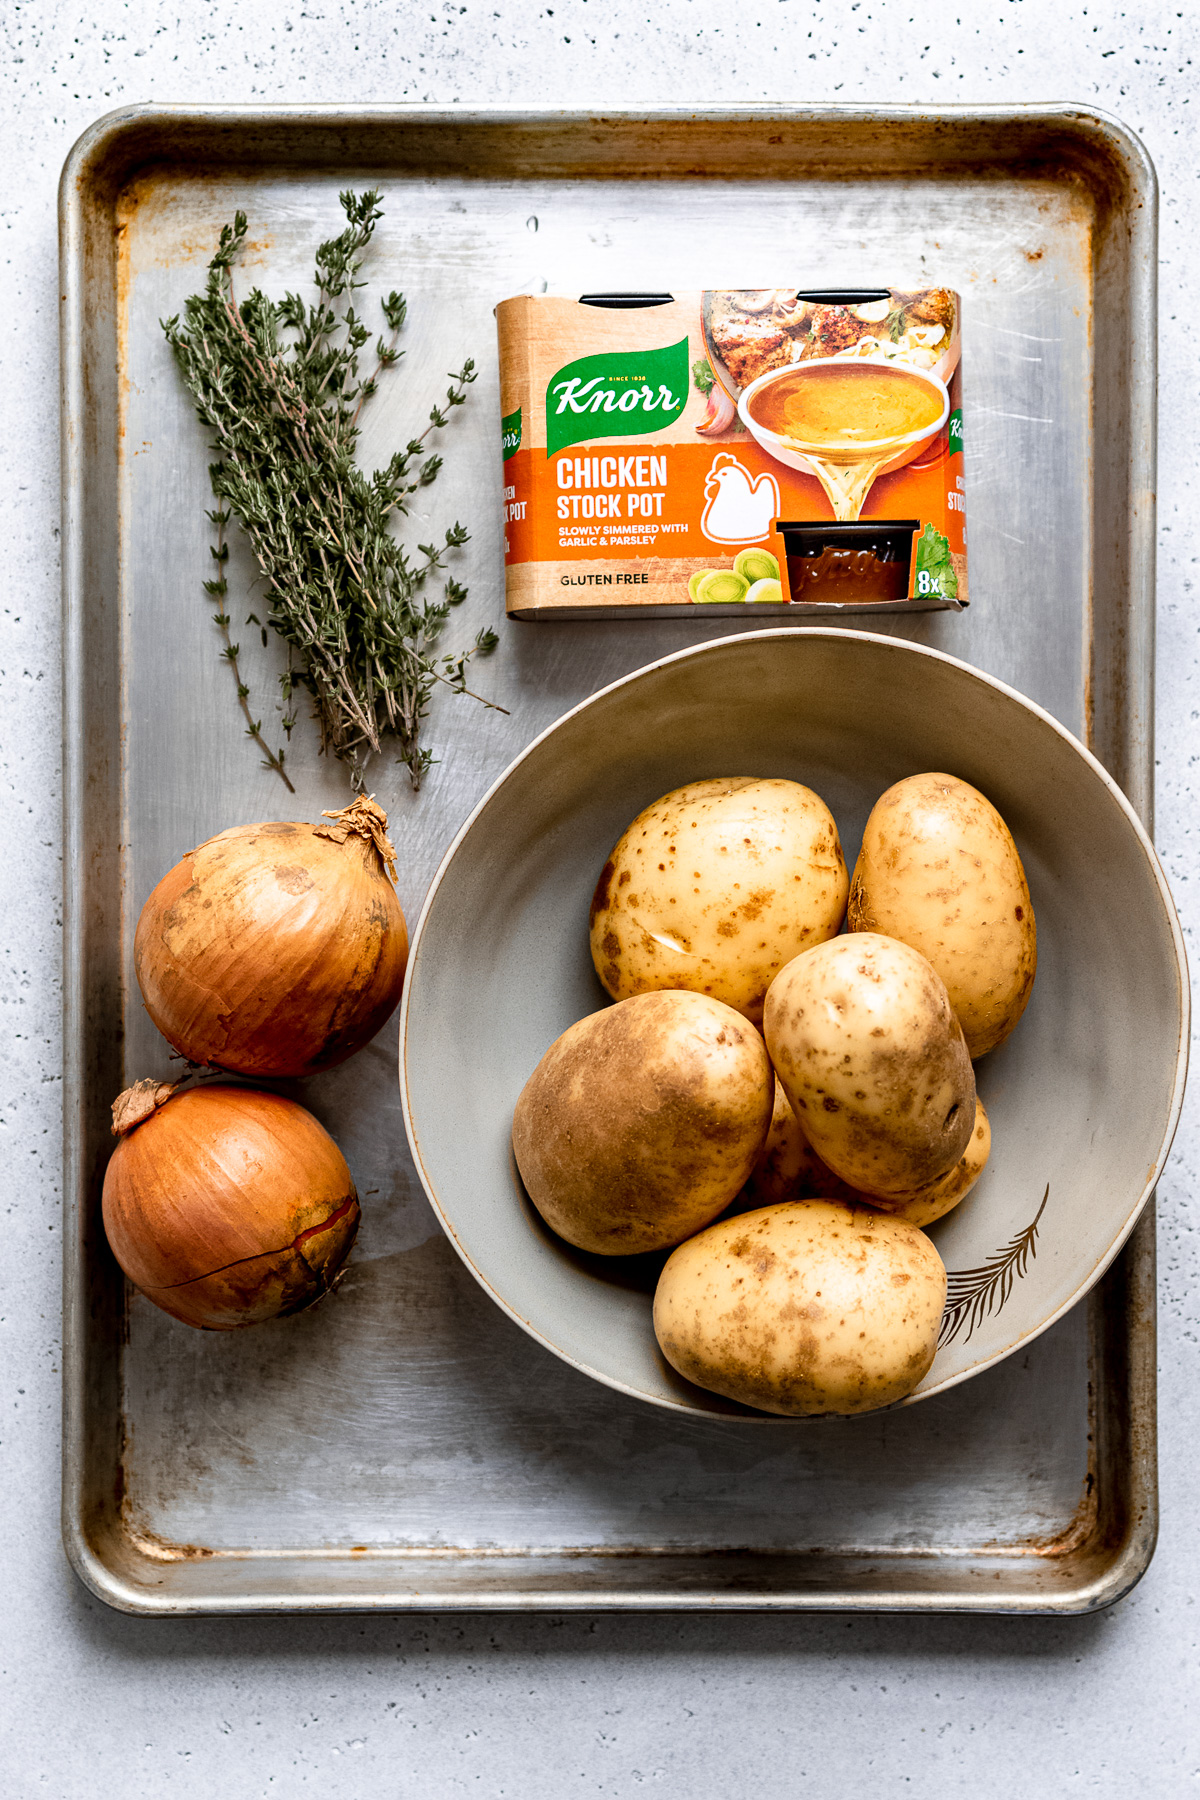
272, 950
229, 1206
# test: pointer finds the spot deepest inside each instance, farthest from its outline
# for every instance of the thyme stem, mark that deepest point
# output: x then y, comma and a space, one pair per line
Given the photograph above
220, 590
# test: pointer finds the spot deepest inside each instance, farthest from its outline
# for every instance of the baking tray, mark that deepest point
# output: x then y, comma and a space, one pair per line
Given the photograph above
405, 1445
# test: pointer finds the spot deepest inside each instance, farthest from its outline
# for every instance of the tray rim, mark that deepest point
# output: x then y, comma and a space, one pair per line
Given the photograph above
86, 169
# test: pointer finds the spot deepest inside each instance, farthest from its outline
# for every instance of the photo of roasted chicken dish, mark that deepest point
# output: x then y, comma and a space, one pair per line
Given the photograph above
750, 331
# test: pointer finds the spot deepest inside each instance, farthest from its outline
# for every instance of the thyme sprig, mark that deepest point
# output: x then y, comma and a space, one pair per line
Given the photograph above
278, 384
218, 589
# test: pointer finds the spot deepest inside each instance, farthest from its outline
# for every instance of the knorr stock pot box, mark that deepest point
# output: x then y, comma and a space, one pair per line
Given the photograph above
732, 448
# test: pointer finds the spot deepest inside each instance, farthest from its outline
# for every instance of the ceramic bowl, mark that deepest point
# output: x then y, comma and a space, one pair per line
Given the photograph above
1083, 1097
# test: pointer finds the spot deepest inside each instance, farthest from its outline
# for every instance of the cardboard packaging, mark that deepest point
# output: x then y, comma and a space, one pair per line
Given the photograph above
731, 449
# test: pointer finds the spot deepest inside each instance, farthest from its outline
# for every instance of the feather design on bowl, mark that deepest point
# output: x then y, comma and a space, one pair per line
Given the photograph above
973, 1295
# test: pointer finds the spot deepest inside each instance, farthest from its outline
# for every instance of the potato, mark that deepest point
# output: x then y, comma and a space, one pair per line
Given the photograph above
873, 1061
938, 869
925, 1206
715, 887
813, 1307
788, 1168
642, 1122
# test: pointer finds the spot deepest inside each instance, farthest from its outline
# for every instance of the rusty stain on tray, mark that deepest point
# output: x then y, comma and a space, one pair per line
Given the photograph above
157, 1549
1081, 1531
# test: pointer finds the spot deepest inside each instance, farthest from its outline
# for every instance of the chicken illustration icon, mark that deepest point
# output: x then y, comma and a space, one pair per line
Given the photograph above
740, 510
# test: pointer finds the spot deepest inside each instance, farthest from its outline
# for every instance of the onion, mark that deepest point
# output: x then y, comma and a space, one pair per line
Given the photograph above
225, 1205
276, 949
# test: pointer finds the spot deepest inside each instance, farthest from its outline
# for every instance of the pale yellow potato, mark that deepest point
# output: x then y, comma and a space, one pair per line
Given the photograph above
938, 868
812, 1307
715, 887
642, 1121
788, 1168
873, 1061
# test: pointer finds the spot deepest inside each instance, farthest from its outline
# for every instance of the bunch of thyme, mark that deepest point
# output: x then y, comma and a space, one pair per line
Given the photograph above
278, 385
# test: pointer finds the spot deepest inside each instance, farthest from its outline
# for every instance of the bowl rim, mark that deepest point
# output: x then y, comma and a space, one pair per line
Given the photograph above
904, 647
767, 438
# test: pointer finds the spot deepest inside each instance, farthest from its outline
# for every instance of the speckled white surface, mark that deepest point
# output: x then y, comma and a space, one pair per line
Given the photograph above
95, 1704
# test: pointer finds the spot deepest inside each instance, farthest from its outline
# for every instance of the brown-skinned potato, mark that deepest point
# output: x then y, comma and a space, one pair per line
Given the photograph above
642, 1121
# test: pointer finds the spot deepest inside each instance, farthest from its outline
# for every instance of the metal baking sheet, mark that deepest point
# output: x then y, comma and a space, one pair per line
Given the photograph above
405, 1445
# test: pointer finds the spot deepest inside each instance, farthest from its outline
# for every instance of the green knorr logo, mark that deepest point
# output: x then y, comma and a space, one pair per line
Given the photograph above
617, 394
510, 426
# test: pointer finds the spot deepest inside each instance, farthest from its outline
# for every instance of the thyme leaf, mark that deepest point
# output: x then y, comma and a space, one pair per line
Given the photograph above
279, 386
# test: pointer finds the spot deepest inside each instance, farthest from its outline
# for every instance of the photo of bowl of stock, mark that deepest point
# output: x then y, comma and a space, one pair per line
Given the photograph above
846, 422
797, 1028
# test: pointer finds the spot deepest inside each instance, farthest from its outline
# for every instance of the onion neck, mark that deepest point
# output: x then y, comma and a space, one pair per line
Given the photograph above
365, 819
136, 1104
